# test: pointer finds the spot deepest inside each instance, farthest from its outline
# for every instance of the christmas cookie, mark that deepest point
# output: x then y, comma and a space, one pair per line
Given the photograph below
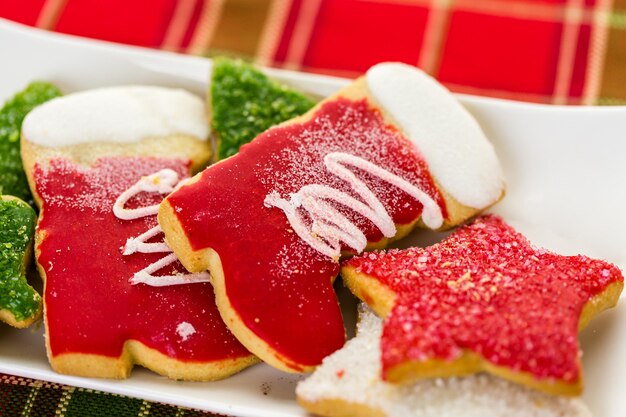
348, 383
12, 179
484, 299
20, 304
99, 163
245, 102
360, 169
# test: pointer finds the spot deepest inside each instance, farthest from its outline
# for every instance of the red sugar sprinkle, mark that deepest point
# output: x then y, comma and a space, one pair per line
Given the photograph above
487, 289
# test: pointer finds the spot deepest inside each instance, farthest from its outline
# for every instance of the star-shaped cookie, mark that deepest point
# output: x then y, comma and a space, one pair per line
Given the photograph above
348, 383
484, 299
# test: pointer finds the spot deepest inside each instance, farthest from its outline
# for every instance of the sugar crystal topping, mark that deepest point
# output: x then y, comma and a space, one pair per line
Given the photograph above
185, 330
488, 290
352, 374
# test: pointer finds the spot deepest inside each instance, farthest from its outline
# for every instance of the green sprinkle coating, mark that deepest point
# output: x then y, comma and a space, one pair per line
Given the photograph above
245, 103
12, 177
17, 227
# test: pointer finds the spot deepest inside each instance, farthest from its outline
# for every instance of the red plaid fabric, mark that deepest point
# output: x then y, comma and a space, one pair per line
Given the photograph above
549, 51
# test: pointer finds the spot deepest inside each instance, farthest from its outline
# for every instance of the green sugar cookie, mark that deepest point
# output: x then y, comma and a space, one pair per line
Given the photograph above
20, 304
12, 177
245, 102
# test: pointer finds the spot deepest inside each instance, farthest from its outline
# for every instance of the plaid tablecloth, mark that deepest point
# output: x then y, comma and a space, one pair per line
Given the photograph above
32, 398
548, 51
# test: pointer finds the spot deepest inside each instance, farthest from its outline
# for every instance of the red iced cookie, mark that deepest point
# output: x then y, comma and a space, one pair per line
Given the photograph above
98, 236
271, 222
484, 299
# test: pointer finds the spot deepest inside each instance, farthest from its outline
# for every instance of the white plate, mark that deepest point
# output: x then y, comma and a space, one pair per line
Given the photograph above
566, 171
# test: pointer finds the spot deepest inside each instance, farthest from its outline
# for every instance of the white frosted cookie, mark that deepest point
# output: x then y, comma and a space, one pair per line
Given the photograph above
348, 383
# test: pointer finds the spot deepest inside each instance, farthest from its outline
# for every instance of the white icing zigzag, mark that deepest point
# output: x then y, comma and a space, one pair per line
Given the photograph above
162, 182
329, 227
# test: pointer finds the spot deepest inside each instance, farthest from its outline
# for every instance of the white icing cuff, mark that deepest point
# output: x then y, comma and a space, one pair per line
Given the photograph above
116, 114
458, 154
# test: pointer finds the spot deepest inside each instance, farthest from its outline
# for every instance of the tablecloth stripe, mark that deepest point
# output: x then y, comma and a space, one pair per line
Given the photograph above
613, 87
205, 27
434, 36
241, 24
597, 52
50, 13
567, 50
180, 21
549, 51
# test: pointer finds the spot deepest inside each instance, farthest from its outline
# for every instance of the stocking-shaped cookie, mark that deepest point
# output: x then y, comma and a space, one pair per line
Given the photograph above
363, 167
484, 299
99, 163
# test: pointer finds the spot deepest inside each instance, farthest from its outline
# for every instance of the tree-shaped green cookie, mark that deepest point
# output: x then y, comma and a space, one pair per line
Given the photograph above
20, 304
12, 177
245, 102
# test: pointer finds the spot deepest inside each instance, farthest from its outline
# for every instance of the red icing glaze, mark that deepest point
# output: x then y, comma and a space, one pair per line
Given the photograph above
487, 289
90, 305
278, 285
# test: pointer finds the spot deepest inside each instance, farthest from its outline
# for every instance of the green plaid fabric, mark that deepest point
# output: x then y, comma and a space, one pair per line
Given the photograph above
613, 88
26, 397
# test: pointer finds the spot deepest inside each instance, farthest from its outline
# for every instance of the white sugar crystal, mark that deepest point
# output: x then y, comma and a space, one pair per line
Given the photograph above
352, 374
185, 330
